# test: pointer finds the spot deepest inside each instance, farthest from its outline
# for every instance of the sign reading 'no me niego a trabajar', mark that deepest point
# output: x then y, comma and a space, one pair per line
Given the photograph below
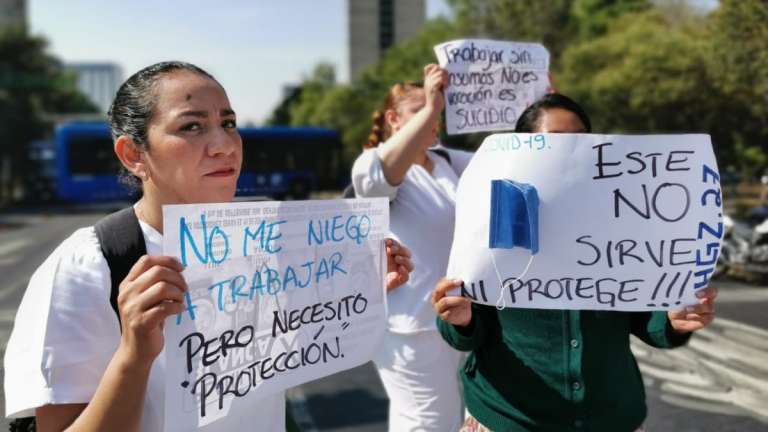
579, 221
280, 293
490, 82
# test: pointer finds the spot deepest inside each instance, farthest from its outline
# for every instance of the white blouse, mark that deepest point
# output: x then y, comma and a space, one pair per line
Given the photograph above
422, 218
66, 332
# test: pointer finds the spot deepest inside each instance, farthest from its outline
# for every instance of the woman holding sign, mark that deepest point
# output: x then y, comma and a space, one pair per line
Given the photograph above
554, 370
401, 162
72, 360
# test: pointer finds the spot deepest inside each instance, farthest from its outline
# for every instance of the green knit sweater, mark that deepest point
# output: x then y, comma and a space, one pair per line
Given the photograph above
553, 370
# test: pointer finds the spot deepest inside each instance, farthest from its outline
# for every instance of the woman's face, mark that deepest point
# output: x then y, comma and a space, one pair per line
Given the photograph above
408, 107
558, 120
195, 150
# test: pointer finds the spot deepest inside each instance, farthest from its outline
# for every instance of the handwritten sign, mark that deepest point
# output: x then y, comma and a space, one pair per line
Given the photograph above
280, 293
615, 222
490, 83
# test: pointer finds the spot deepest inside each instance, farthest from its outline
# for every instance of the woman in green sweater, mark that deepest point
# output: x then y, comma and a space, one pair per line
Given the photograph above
557, 370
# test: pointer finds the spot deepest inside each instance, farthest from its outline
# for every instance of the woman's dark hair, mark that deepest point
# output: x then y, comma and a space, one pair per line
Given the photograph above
135, 103
529, 119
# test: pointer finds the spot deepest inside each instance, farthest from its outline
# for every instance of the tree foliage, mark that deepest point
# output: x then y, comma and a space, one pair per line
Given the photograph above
652, 71
638, 66
655, 74
349, 107
592, 18
739, 63
546, 21
32, 84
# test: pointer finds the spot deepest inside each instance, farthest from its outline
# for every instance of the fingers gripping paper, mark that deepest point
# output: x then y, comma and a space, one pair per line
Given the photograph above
562, 221
279, 294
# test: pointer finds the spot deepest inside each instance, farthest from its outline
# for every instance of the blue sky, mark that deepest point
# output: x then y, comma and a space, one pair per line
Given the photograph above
252, 47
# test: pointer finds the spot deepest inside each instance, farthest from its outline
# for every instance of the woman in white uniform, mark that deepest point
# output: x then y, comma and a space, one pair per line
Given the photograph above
404, 162
69, 361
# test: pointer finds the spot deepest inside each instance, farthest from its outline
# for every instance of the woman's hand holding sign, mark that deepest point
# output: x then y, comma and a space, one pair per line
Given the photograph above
695, 317
435, 80
452, 309
458, 311
152, 291
399, 264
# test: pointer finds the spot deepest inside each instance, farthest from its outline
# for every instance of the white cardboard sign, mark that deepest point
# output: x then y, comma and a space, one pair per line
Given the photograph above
624, 222
490, 82
280, 293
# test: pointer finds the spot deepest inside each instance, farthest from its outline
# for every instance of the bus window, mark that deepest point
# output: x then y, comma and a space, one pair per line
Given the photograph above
277, 162
92, 156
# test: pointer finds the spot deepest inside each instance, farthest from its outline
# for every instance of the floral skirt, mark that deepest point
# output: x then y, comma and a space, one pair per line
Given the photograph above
472, 425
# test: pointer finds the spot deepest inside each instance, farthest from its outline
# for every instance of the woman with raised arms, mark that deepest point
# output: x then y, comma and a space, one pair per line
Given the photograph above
404, 161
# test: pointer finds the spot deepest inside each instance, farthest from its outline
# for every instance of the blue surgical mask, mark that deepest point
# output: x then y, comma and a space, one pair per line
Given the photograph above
514, 216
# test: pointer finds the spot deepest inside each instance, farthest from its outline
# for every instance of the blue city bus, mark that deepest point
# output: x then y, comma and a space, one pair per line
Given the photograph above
278, 163
282, 162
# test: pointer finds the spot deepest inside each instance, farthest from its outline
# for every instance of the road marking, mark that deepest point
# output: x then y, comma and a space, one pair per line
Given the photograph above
725, 363
7, 317
707, 407
742, 295
11, 247
13, 289
733, 342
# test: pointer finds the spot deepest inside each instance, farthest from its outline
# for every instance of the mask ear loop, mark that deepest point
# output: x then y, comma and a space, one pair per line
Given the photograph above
501, 303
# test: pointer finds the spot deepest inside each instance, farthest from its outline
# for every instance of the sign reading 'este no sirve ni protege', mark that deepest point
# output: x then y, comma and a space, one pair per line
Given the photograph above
581, 221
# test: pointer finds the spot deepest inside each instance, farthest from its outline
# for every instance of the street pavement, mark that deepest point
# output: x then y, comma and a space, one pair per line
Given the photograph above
718, 383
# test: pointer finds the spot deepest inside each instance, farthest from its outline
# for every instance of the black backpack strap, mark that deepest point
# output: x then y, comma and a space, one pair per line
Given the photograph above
442, 153
23, 424
122, 243
349, 192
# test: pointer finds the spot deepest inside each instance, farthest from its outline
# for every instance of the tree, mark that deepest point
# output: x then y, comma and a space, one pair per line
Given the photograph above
739, 63
636, 65
647, 75
282, 113
312, 90
547, 21
32, 83
670, 68
593, 17
348, 108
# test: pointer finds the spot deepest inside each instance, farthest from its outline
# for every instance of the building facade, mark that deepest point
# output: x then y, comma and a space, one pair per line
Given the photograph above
13, 13
98, 81
376, 25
